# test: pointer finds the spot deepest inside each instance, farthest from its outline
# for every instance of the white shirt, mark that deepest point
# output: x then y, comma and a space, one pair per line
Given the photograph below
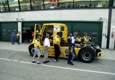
46, 42
72, 40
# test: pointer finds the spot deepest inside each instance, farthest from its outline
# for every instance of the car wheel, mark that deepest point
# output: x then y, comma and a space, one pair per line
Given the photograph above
87, 55
31, 49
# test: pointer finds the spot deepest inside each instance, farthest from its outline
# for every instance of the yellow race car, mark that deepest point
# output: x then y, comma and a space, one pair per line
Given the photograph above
87, 53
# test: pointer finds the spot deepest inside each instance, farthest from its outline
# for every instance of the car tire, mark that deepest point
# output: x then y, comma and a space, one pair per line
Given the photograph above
86, 55
31, 49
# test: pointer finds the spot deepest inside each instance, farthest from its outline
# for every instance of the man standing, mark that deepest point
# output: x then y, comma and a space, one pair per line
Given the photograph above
71, 56
36, 52
13, 37
57, 47
46, 46
18, 37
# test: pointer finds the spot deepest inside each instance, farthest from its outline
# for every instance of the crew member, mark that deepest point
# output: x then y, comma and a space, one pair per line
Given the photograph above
57, 47
36, 54
85, 39
78, 40
46, 46
71, 56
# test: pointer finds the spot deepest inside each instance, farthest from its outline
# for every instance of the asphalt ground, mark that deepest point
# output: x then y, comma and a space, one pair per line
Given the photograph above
16, 65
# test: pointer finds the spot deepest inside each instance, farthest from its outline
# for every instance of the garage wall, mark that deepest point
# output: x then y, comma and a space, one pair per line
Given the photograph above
5, 30
112, 38
61, 15
93, 28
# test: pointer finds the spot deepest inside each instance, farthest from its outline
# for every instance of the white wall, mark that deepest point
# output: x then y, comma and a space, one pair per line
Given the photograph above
113, 17
112, 39
82, 14
61, 15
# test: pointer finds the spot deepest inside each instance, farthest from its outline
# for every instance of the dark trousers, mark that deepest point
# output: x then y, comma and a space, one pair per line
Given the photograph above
18, 40
71, 56
13, 40
57, 51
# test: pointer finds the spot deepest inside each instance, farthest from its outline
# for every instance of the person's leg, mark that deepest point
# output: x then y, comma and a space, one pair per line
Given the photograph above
38, 60
33, 61
46, 54
58, 51
69, 58
18, 40
38, 55
55, 52
73, 56
34, 55
14, 40
11, 40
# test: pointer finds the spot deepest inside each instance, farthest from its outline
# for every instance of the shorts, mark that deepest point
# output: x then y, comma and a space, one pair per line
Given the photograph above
37, 52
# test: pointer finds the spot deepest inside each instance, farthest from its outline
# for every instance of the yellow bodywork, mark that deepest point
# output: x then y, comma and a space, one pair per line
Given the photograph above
57, 27
51, 51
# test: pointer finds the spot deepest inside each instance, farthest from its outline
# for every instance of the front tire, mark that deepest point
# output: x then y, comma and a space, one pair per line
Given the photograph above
86, 55
31, 49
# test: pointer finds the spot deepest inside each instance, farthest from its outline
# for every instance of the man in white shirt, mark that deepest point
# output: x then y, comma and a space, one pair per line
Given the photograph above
46, 46
72, 39
71, 55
